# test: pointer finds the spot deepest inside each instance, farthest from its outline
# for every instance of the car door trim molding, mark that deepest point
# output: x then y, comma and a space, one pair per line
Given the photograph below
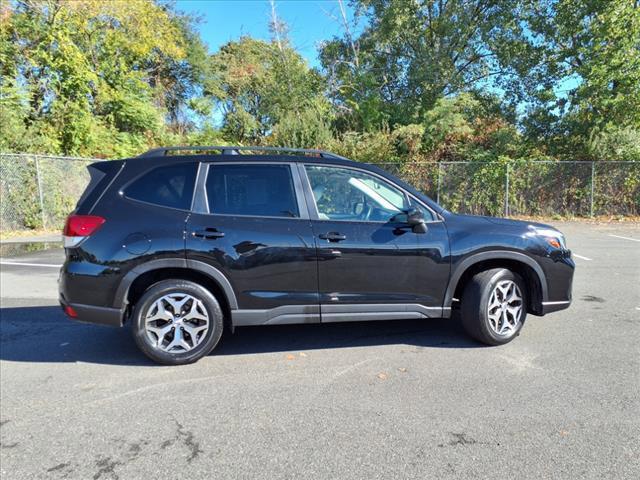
199, 204
326, 313
282, 315
377, 311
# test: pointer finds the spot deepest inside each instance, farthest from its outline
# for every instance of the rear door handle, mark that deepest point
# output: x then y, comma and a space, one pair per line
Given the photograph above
208, 233
333, 236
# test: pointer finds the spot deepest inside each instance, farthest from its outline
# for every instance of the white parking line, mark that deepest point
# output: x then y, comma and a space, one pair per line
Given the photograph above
583, 258
23, 264
625, 238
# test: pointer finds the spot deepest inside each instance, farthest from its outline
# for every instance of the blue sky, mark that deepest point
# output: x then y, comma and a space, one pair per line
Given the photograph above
309, 21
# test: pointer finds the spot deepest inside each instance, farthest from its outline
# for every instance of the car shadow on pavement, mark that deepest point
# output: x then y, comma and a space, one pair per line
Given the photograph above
427, 333
44, 334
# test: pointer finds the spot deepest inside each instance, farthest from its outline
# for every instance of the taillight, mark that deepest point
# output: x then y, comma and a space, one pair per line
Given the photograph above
79, 227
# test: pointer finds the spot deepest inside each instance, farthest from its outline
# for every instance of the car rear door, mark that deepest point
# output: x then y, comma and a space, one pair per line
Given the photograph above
250, 222
370, 266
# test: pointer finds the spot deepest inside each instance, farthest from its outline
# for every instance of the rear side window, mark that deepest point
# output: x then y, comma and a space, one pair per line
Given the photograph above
170, 186
101, 174
254, 190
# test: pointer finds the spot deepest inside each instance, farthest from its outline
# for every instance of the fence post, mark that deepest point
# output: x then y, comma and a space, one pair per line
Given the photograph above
593, 176
506, 194
438, 183
39, 179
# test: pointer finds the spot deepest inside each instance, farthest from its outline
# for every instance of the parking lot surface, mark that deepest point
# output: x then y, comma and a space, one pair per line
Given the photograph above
398, 399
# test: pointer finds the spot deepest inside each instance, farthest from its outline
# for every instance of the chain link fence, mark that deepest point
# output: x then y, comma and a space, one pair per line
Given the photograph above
529, 188
38, 192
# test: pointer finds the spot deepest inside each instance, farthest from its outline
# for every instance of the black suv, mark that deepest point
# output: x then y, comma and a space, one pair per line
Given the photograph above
181, 246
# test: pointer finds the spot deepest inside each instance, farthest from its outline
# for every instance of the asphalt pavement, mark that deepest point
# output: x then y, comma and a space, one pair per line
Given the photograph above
397, 399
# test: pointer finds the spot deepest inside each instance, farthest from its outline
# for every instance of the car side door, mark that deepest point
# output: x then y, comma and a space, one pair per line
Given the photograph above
250, 223
371, 264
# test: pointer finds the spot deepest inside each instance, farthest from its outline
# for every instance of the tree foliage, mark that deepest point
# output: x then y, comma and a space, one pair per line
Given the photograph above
411, 54
587, 83
94, 77
570, 67
258, 84
431, 80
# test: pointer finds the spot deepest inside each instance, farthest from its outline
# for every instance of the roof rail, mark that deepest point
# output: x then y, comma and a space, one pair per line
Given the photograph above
235, 150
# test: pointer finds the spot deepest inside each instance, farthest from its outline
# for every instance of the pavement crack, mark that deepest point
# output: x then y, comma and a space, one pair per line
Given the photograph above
592, 298
462, 439
189, 441
60, 466
459, 439
107, 467
167, 443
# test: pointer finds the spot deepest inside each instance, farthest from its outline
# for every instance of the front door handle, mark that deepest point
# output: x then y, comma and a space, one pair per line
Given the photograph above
208, 233
333, 236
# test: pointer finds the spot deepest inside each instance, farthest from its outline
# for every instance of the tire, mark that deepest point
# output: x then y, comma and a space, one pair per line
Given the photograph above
197, 308
485, 322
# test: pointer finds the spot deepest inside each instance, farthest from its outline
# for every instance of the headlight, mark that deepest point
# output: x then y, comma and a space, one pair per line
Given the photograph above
552, 237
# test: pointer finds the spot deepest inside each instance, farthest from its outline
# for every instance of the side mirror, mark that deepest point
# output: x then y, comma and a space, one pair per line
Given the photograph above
415, 219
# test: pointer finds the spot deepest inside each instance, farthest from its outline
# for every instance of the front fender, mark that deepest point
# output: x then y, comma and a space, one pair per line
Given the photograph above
462, 266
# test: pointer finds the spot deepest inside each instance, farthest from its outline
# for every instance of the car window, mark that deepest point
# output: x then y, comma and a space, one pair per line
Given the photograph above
426, 213
170, 186
255, 190
351, 195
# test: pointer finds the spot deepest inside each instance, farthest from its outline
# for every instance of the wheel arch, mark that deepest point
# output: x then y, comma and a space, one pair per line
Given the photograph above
141, 277
522, 264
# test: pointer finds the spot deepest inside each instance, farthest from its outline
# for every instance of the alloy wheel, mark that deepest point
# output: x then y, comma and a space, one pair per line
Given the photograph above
505, 308
177, 323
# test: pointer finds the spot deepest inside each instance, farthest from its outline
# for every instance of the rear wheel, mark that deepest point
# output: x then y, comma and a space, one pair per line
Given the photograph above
176, 322
493, 306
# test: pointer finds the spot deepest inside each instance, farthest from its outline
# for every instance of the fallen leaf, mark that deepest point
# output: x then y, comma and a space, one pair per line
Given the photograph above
402, 369
382, 376
302, 354
290, 357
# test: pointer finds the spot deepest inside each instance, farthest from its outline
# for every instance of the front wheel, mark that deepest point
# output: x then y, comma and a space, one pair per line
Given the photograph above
494, 306
176, 322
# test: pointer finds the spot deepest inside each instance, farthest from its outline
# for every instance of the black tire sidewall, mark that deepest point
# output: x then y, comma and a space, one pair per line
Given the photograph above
216, 323
475, 299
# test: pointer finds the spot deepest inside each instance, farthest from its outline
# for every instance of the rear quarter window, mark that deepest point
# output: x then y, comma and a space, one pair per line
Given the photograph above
169, 186
101, 174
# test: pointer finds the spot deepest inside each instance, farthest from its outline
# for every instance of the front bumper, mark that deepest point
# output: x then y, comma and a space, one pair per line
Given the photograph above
558, 268
550, 307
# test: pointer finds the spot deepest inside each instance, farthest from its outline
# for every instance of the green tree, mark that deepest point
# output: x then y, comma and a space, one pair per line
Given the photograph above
93, 77
410, 54
469, 127
306, 128
257, 84
587, 85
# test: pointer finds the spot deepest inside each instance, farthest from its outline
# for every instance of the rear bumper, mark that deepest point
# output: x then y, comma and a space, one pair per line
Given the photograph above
92, 314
